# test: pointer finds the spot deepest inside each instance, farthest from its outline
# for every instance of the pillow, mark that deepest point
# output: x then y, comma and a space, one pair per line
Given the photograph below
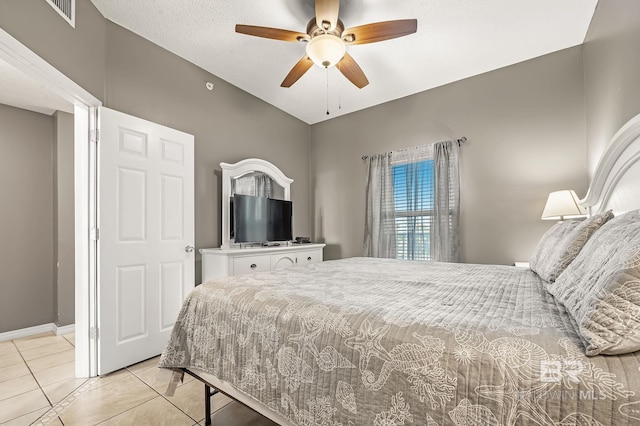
562, 243
601, 288
545, 249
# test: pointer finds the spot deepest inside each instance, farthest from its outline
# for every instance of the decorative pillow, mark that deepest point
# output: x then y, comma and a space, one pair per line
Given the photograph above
545, 250
562, 243
601, 288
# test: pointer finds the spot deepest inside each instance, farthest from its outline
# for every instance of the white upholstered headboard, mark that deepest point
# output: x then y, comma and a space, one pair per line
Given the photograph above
616, 182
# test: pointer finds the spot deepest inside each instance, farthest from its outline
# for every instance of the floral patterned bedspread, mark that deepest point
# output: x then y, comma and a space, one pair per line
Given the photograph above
384, 342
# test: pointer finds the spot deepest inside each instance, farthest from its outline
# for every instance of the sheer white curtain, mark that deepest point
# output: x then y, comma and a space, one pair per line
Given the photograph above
379, 231
257, 184
445, 229
263, 185
413, 203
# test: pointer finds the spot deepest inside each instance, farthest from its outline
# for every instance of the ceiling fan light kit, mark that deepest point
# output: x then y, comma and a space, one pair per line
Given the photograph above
327, 41
326, 50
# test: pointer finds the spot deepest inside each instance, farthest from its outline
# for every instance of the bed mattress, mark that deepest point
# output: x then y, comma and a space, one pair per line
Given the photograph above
367, 341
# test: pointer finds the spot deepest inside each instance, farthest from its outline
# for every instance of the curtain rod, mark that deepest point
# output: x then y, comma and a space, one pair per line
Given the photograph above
460, 141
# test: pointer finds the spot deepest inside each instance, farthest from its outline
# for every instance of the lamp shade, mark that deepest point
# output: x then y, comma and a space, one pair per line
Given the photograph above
326, 50
562, 204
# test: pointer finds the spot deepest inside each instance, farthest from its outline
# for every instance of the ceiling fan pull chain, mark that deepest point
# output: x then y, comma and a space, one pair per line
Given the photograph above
339, 91
327, 68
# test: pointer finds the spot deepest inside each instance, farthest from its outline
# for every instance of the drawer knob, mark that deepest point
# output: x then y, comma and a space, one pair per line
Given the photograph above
253, 266
309, 258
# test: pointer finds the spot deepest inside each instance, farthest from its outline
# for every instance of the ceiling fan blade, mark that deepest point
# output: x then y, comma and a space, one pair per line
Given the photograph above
379, 31
327, 14
273, 33
297, 71
350, 69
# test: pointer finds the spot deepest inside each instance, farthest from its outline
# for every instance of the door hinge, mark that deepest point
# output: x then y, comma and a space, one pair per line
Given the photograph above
94, 333
95, 135
95, 234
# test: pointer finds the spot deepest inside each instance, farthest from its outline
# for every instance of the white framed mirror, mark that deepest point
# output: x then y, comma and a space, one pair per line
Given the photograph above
252, 176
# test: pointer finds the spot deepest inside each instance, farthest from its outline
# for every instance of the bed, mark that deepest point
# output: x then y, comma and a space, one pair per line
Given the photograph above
367, 341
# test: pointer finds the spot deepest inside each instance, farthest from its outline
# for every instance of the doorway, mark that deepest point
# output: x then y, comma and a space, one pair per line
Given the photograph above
84, 109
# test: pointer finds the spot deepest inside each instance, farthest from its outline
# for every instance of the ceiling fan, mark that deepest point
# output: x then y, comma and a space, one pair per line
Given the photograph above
327, 41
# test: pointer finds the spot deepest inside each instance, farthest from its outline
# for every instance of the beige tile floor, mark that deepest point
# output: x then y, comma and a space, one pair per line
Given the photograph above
37, 386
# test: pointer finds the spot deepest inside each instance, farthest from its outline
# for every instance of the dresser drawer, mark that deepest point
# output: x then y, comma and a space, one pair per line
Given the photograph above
250, 264
218, 263
283, 261
307, 257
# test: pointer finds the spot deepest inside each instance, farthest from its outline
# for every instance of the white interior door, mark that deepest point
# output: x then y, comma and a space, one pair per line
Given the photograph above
146, 236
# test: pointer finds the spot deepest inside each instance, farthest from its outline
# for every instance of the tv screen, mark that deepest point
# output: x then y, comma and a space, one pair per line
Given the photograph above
261, 219
279, 222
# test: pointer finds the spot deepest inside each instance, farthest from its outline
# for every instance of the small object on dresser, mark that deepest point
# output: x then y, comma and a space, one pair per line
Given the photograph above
303, 240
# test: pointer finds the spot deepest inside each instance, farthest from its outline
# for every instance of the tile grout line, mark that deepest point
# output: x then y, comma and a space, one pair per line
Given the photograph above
204, 418
170, 402
59, 407
162, 395
144, 402
34, 379
52, 353
31, 373
66, 402
38, 382
73, 396
56, 409
23, 362
51, 403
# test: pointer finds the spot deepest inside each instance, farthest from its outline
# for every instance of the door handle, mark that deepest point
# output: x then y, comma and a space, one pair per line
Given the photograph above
189, 249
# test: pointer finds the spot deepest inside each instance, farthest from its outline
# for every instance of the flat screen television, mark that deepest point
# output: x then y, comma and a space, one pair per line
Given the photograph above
261, 219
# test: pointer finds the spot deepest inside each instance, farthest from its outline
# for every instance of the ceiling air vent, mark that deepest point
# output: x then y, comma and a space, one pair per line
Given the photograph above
66, 9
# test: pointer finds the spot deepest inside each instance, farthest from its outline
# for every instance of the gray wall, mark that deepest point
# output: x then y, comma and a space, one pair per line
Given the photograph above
612, 72
134, 76
78, 52
525, 126
26, 219
63, 225
229, 124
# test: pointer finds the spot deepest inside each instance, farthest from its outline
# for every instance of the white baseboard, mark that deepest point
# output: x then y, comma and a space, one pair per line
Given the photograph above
38, 329
65, 329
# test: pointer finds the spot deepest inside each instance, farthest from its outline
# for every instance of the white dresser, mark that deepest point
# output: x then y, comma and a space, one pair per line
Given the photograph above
217, 263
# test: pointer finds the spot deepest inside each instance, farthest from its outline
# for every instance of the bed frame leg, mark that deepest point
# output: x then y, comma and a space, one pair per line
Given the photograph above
207, 405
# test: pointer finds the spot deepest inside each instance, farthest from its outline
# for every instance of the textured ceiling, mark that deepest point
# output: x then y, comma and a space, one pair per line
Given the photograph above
455, 39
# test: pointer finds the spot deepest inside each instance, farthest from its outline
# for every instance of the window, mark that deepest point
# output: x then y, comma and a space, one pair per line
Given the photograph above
413, 203
413, 200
